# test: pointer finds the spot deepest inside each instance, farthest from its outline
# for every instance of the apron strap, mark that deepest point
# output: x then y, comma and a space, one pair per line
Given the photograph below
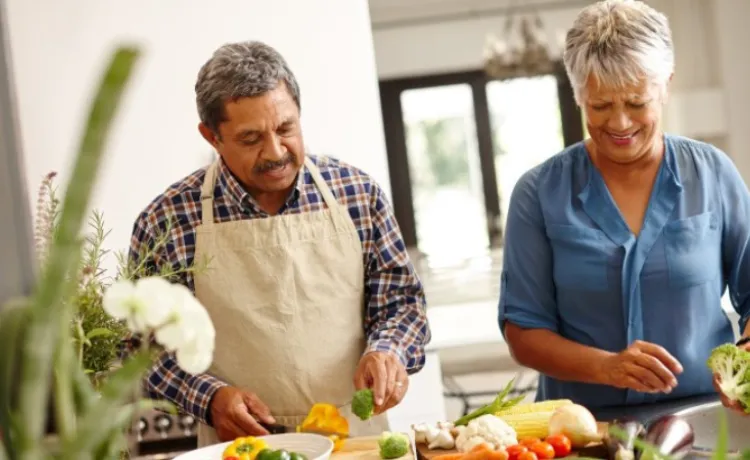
328, 197
209, 182
207, 193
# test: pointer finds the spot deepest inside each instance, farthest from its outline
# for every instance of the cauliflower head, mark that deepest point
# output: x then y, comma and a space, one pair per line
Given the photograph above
486, 429
732, 365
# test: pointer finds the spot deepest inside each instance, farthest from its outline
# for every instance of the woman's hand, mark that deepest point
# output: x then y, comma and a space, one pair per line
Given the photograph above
733, 405
644, 367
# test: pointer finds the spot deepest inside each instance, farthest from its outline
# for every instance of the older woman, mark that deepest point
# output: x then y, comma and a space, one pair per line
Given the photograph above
618, 249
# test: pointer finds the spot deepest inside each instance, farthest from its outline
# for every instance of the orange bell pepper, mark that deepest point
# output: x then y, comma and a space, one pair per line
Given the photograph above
326, 417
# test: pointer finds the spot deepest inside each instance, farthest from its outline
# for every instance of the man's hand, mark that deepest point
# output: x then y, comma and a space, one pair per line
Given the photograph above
385, 375
644, 367
236, 413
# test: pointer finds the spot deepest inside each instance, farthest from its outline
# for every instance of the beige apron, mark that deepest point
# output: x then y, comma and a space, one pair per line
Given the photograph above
286, 296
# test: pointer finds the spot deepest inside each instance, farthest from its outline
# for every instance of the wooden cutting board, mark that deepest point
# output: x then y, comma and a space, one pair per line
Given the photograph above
364, 448
423, 453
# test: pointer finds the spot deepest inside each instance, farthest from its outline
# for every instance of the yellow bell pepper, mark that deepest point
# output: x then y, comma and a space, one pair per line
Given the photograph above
244, 448
326, 417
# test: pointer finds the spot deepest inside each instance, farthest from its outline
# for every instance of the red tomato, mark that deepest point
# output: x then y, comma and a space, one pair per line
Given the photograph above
515, 450
561, 444
543, 450
528, 441
528, 455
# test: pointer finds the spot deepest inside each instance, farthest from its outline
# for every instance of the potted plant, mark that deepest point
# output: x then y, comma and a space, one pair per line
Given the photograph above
44, 337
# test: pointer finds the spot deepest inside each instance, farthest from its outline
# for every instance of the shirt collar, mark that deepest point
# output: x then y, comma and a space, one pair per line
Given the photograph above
235, 191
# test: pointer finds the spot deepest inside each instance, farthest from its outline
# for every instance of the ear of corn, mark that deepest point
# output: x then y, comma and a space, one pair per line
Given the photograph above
529, 424
541, 406
531, 420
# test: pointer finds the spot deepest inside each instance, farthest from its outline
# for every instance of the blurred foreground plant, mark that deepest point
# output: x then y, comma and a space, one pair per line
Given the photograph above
37, 351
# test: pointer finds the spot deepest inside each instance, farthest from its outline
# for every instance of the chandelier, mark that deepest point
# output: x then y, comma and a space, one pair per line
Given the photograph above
523, 51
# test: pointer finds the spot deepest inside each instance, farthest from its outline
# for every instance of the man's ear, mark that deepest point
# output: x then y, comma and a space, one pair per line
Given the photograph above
209, 135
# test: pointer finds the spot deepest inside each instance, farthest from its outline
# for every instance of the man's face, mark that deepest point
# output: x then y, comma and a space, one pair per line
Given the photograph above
261, 141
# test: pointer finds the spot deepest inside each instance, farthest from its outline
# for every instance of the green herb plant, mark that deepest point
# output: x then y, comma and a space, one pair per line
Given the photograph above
98, 338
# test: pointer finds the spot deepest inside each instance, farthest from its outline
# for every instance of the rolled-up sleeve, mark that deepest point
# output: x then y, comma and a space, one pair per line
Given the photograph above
396, 316
527, 293
735, 204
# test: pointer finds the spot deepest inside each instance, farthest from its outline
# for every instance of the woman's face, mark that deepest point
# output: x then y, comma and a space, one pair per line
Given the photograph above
624, 123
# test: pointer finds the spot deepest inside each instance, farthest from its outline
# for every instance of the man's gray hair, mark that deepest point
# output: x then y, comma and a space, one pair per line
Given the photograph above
619, 42
238, 70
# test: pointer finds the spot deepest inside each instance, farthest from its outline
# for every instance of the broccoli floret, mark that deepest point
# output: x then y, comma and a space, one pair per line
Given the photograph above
363, 404
732, 364
393, 445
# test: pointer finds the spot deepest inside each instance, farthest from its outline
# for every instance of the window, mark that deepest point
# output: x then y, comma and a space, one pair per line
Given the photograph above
457, 144
526, 128
442, 153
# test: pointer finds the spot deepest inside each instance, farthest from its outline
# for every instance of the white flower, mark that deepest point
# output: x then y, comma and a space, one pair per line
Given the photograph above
160, 300
187, 322
145, 304
119, 299
177, 319
196, 356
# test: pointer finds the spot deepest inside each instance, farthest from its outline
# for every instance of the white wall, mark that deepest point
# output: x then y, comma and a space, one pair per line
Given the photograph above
59, 49
709, 99
733, 40
447, 46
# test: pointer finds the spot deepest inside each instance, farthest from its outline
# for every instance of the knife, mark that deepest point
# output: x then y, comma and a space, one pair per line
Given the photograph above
275, 428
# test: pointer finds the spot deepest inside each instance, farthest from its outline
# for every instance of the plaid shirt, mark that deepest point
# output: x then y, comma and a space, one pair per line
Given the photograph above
395, 319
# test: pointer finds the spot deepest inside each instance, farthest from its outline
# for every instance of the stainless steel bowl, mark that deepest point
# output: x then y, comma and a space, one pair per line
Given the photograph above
705, 419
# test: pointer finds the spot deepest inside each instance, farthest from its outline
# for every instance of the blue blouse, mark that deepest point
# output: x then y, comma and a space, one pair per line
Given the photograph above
571, 264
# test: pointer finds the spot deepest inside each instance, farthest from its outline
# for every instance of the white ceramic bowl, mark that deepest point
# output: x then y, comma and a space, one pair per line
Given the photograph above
313, 446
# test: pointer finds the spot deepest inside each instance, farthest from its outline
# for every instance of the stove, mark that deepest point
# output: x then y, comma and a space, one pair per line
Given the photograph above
162, 436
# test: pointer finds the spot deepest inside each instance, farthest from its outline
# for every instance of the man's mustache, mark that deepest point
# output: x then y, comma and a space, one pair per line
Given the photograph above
269, 165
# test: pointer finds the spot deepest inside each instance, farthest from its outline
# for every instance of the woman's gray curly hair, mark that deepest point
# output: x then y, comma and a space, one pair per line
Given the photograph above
619, 42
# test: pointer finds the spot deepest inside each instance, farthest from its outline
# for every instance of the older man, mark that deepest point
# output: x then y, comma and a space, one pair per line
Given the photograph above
309, 285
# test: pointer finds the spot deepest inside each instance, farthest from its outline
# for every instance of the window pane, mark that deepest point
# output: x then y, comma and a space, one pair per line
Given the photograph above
445, 174
526, 128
